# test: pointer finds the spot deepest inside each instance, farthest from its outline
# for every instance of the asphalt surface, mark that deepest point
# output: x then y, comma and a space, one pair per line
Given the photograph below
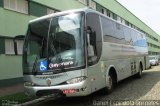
11, 89
131, 91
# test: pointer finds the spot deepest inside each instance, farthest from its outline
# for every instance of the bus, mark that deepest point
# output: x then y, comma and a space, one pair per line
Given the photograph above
78, 52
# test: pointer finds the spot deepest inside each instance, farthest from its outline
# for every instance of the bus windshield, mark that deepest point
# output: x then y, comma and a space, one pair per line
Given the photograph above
54, 44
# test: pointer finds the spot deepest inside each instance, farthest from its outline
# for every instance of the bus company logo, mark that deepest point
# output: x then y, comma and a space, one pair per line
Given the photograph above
49, 81
57, 65
43, 66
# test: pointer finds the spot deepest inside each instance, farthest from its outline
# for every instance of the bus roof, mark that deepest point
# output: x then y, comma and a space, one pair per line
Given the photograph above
86, 10
61, 13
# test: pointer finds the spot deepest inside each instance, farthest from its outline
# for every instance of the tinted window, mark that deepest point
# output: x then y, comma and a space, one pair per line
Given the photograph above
108, 29
54, 44
93, 23
112, 32
141, 41
127, 34
134, 37
119, 34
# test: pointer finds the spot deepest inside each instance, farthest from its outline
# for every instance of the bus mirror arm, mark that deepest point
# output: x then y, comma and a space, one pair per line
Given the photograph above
89, 33
89, 30
89, 46
88, 39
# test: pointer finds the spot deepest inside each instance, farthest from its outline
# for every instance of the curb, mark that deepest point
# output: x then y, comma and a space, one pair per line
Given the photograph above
40, 100
29, 103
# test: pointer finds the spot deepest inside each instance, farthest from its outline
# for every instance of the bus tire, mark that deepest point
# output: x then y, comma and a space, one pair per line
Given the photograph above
109, 89
139, 74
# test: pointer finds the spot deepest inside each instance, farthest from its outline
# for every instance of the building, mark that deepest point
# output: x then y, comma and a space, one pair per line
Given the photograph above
15, 15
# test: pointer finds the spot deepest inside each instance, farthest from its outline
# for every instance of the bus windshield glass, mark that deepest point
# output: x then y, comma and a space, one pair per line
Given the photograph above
54, 44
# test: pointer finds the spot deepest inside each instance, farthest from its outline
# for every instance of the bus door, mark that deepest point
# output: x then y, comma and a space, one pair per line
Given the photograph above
94, 49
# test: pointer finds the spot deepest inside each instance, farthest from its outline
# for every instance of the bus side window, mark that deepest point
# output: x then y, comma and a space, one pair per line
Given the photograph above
91, 45
94, 38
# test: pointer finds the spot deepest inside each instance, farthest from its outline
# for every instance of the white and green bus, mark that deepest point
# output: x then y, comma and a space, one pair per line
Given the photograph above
78, 52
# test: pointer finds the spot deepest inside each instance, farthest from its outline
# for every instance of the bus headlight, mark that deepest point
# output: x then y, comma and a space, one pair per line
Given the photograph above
76, 80
29, 84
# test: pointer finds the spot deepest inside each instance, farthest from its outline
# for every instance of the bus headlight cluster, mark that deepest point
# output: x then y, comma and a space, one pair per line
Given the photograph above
76, 80
29, 84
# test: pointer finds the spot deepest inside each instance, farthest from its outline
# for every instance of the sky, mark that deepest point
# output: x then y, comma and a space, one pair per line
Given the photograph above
146, 10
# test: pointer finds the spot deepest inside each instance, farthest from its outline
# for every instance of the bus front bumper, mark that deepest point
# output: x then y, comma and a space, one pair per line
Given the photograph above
68, 90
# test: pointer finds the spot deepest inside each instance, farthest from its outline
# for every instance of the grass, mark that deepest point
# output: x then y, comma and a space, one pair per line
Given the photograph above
17, 98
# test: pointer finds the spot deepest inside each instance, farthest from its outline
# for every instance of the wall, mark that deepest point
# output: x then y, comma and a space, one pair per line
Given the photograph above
62, 4
13, 23
10, 67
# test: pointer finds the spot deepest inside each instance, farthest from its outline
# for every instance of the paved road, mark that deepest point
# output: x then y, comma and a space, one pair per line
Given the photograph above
146, 88
11, 89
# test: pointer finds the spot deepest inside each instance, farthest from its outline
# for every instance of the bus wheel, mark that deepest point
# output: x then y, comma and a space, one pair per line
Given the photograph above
139, 74
109, 88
